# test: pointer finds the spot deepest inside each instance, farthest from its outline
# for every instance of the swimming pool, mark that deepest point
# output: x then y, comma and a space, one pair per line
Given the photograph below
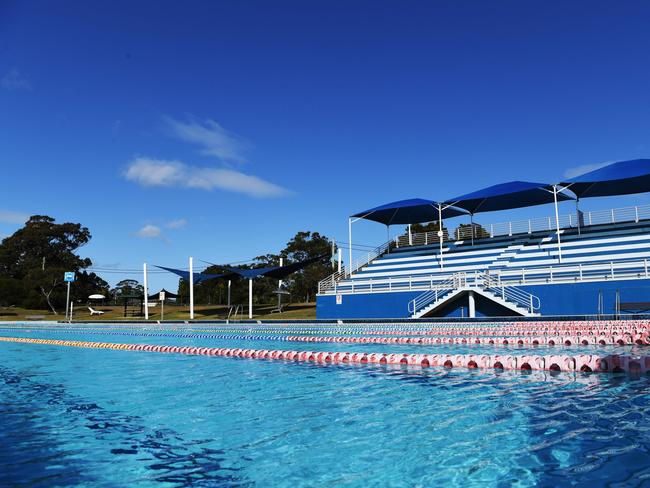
113, 418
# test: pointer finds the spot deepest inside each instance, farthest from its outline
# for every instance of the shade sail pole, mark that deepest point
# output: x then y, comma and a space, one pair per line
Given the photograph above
578, 213
557, 224
440, 233
229, 284
350, 246
471, 226
191, 288
146, 292
387, 238
250, 298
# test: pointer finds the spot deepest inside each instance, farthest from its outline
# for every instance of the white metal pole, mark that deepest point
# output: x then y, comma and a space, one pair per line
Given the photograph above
471, 305
191, 288
578, 213
440, 235
388, 238
557, 224
250, 298
229, 283
67, 303
410, 236
340, 259
280, 288
350, 245
146, 292
471, 226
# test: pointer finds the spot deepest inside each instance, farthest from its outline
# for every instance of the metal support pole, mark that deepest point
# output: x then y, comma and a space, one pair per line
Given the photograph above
471, 305
350, 246
578, 213
340, 259
280, 288
191, 288
440, 234
410, 235
146, 292
557, 224
471, 226
250, 298
67, 303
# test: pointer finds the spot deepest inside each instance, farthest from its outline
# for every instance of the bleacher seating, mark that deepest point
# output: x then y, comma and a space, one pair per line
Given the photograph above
597, 252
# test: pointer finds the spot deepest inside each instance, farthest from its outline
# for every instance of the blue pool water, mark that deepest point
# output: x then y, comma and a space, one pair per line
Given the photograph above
71, 416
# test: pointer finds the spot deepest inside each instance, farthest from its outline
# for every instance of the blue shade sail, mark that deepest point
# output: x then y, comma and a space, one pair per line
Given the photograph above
506, 196
412, 211
198, 277
621, 178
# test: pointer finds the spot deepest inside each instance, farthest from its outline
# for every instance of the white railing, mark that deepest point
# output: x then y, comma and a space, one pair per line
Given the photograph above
331, 281
609, 270
439, 291
568, 221
511, 293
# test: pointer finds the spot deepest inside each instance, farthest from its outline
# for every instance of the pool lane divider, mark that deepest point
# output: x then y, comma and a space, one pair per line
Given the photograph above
610, 339
585, 363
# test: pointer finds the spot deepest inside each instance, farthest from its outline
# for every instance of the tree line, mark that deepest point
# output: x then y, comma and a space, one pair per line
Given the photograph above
34, 259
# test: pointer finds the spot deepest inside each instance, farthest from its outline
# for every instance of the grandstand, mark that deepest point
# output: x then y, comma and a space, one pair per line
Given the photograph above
585, 263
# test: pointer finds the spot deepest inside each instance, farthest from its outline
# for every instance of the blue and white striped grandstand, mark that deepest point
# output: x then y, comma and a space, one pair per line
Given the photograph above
514, 269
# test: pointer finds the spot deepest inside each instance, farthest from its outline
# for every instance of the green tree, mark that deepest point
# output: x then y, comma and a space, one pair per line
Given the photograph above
428, 227
127, 287
35, 257
303, 284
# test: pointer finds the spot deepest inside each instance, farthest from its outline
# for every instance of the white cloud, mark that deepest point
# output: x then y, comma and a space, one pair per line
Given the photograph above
15, 80
214, 139
9, 217
176, 224
149, 232
169, 173
585, 168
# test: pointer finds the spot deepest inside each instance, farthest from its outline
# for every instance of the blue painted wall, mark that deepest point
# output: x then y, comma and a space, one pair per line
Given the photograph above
561, 299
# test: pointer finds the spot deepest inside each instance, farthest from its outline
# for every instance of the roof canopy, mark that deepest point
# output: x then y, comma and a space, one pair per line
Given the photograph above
198, 277
621, 178
168, 295
277, 272
411, 211
505, 196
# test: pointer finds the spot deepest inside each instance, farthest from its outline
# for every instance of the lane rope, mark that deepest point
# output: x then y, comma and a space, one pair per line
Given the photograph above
581, 363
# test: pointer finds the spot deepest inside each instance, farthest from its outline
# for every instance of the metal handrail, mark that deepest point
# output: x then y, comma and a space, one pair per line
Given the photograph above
438, 291
511, 293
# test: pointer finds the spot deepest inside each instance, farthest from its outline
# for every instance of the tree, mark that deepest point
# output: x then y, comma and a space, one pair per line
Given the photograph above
464, 231
428, 227
35, 257
303, 284
87, 284
127, 287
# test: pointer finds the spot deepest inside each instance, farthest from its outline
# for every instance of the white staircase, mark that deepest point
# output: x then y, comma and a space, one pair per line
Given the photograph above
510, 297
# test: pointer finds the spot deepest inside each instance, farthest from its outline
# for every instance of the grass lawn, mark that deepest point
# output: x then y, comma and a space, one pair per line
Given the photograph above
171, 312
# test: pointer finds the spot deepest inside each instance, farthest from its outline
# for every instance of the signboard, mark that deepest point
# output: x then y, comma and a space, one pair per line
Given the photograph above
68, 276
339, 299
161, 296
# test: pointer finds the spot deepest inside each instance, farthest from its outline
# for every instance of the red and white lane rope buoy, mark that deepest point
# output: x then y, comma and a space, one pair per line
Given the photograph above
579, 363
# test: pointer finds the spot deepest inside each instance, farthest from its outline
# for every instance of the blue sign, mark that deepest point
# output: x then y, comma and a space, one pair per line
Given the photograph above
68, 276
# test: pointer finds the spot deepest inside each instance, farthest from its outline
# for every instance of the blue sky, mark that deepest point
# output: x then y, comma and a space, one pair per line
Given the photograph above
220, 129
